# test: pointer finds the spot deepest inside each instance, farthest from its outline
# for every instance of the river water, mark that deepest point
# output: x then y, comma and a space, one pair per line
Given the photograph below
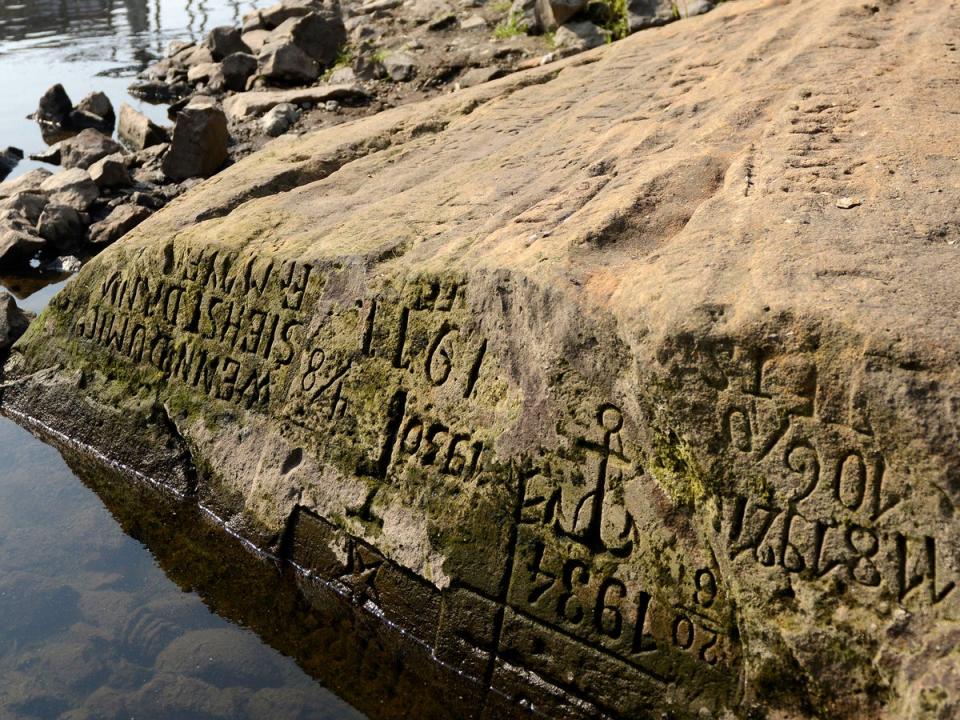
95, 624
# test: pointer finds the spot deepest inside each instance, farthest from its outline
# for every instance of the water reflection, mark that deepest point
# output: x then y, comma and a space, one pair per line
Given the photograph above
92, 628
154, 641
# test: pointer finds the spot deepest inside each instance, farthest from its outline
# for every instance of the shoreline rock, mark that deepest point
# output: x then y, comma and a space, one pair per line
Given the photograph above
581, 377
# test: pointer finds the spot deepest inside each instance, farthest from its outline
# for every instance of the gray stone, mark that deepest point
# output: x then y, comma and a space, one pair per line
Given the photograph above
9, 159
138, 131
271, 17
85, 148
476, 76
473, 22
204, 72
94, 111
648, 13
236, 69
199, 144
319, 35
13, 321
28, 182
279, 119
50, 155
71, 187
554, 13
256, 39
286, 63
342, 76
61, 226
400, 66
55, 106
19, 242
111, 172
223, 41
193, 55
28, 204
580, 36
118, 223
248, 104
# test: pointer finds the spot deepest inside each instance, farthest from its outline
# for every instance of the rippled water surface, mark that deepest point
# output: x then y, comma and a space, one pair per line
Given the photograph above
93, 624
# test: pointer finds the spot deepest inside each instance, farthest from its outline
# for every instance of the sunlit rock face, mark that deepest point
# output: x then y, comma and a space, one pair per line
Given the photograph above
628, 384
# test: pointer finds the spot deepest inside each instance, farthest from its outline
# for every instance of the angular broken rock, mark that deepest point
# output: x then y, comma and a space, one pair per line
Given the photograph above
400, 66
28, 182
319, 35
9, 159
71, 187
94, 111
85, 148
581, 377
28, 204
199, 144
62, 226
279, 118
243, 105
19, 243
54, 107
580, 36
223, 41
236, 68
284, 62
647, 13
118, 223
13, 321
138, 131
111, 172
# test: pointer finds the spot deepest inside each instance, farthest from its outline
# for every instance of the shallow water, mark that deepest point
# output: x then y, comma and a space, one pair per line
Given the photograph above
93, 624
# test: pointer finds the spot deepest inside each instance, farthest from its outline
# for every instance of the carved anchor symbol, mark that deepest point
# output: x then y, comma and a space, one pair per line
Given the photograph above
591, 518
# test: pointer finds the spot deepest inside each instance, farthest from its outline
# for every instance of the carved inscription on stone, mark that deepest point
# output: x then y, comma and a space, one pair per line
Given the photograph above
817, 498
225, 326
597, 568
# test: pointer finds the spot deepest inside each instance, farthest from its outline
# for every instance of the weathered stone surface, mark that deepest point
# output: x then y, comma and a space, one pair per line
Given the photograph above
243, 105
199, 144
28, 204
318, 35
55, 106
111, 172
138, 131
646, 13
582, 373
61, 225
9, 159
236, 68
13, 322
28, 182
581, 36
71, 187
400, 66
284, 62
85, 148
223, 41
19, 242
118, 223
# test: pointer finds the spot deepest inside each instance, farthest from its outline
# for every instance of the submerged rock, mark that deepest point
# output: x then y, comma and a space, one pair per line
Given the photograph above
581, 377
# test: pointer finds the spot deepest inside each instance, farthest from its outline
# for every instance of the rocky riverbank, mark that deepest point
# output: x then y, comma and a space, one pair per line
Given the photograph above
293, 67
627, 384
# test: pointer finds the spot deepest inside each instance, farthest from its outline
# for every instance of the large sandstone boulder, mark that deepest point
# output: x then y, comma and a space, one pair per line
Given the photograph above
628, 385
